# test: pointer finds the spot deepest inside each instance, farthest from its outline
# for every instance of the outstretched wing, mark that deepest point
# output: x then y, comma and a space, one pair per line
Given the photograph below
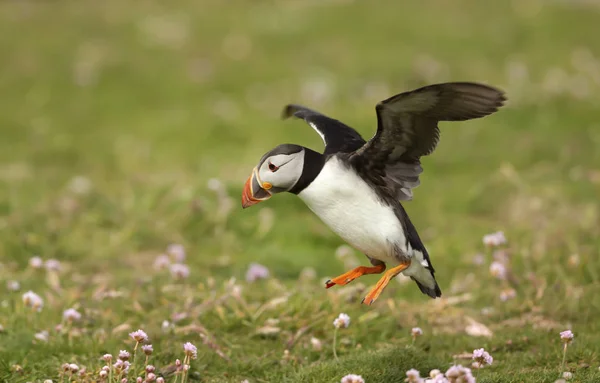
337, 136
407, 129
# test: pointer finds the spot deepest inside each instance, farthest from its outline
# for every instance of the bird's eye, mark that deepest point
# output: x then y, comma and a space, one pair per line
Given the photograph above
273, 168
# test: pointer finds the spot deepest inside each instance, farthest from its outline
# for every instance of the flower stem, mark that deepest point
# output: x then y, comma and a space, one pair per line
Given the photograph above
186, 361
110, 371
562, 365
335, 343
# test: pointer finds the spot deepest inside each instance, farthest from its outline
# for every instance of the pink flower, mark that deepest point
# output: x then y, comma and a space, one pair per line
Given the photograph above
162, 262
413, 376
416, 331
498, 270
567, 336
180, 271
123, 355
139, 336
36, 262
31, 299
190, 350
177, 252
352, 378
147, 349
52, 265
343, 320
71, 315
256, 271
482, 357
494, 239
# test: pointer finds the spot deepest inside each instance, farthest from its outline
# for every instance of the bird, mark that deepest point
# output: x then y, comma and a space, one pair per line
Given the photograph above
356, 187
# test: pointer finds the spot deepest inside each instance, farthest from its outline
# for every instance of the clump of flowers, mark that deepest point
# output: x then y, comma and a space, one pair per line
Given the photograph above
413, 376
52, 265
13, 285
176, 252
36, 262
179, 271
71, 315
460, 374
31, 299
352, 378
162, 262
567, 338
494, 239
256, 271
316, 344
342, 321
481, 358
498, 270
415, 333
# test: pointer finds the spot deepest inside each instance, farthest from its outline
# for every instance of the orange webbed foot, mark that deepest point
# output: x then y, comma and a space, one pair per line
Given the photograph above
383, 282
351, 275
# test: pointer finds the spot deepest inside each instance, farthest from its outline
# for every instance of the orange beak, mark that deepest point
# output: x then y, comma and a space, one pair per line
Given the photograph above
253, 191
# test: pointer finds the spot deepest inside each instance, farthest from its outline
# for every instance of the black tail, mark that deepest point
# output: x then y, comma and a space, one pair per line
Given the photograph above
434, 292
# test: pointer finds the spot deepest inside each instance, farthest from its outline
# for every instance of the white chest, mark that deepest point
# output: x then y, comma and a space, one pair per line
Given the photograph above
349, 206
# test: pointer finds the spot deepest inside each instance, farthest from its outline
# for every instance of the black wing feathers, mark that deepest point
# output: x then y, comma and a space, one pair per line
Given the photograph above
337, 136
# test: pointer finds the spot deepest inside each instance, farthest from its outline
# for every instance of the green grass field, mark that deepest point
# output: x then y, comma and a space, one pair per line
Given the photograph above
116, 117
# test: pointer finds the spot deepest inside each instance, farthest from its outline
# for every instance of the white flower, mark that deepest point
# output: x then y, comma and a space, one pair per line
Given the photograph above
177, 252
48, 381
71, 315
256, 271
316, 344
343, 320
498, 270
190, 350
166, 326
103, 374
36, 262
139, 336
352, 378
180, 271
567, 375
494, 239
567, 336
413, 376
31, 299
42, 336
416, 331
482, 357
434, 373
162, 262
107, 357
13, 285
52, 265
73, 367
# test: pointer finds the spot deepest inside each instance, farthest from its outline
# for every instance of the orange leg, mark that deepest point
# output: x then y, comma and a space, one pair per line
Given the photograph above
353, 274
383, 282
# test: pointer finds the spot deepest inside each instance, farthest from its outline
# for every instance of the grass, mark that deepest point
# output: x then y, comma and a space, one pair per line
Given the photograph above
148, 102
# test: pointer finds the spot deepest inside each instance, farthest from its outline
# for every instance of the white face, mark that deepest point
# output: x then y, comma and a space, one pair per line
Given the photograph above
280, 172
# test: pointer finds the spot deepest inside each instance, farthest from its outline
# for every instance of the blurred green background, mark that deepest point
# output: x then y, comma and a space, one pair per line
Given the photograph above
144, 102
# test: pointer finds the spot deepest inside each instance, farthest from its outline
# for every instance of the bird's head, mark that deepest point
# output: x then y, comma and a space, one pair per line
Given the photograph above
279, 170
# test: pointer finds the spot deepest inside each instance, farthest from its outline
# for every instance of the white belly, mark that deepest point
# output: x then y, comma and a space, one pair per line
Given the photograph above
349, 206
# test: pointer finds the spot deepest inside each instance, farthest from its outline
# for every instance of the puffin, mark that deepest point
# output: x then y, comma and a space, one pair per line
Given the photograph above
356, 187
